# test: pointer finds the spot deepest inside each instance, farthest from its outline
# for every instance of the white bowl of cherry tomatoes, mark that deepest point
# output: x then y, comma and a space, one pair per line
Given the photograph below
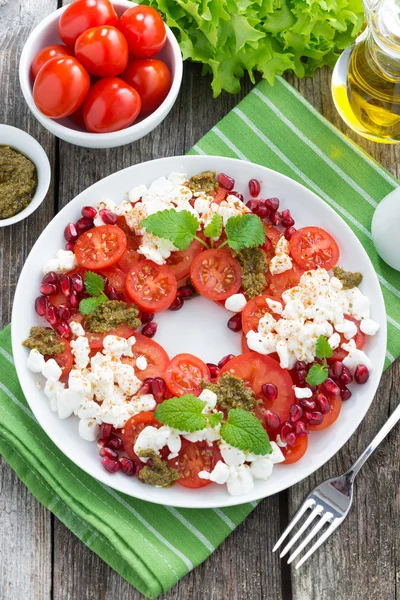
99, 74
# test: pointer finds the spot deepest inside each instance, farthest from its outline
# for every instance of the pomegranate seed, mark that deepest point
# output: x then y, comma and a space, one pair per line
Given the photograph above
314, 418
285, 430
48, 288
214, 370
301, 428
177, 304
65, 285
77, 282
272, 204
323, 404
335, 370
254, 187
267, 244
238, 195
84, 224
296, 413
158, 389
345, 394
52, 315
73, 300
63, 330
308, 404
288, 233
186, 291
330, 387
253, 205
71, 233
270, 391
64, 313
235, 322
41, 303
108, 452
346, 377
70, 246
111, 292
146, 317
50, 278
226, 181
89, 211
361, 374
114, 442
271, 419
275, 218
149, 330
105, 279
105, 431
287, 219
127, 466
261, 211
107, 216
225, 359
291, 439
101, 443
300, 377
299, 365
146, 386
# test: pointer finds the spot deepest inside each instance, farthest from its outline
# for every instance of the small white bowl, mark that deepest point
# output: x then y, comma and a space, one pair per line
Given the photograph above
46, 33
25, 143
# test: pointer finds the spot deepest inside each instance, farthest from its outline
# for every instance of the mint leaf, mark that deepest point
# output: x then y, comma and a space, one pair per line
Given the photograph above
177, 227
94, 283
214, 228
184, 413
88, 305
215, 419
317, 374
323, 349
244, 431
245, 231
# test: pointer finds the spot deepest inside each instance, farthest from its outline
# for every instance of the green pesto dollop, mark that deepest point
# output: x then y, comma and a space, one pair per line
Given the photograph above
45, 340
232, 393
203, 182
18, 182
110, 314
348, 279
159, 473
254, 268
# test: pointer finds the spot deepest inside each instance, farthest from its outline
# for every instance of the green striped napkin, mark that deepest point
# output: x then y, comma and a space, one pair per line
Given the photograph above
152, 546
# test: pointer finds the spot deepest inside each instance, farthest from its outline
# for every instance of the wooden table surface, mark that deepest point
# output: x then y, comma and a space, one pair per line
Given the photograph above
39, 558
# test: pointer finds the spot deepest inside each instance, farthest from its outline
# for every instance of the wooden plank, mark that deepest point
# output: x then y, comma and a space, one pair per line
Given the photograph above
362, 557
25, 526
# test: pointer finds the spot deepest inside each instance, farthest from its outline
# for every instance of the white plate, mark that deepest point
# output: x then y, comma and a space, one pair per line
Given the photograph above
199, 328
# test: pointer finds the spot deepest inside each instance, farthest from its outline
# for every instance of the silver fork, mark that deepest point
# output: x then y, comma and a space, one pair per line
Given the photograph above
331, 501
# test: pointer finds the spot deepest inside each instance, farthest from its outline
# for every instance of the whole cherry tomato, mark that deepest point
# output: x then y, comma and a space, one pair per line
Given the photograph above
151, 78
144, 30
45, 54
60, 87
83, 14
111, 105
103, 51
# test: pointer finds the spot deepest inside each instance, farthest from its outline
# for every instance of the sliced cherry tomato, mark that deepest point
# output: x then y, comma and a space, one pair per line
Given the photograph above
255, 370
339, 353
274, 235
151, 78
96, 339
152, 287
184, 374
313, 247
111, 105
103, 51
216, 274
330, 417
254, 310
245, 347
60, 87
277, 284
294, 453
220, 194
131, 430
116, 277
144, 30
129, 259
82, 14
180, 262
100, 247
193, 458
65, 360
45, 54
155, 355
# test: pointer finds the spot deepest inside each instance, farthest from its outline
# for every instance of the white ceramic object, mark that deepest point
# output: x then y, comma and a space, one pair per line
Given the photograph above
46, 33
199, 328
385, 229
25, 143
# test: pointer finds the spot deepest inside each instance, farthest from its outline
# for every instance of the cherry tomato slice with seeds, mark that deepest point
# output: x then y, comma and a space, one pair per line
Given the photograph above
313, 247
155, 355
65, 360
216, 274
339, 353
193, 458
277, 284
180, 262
330, 417
274, 235
116, 278
294, 453
152, 287
184, 374
254, 310
131, 430
100, 247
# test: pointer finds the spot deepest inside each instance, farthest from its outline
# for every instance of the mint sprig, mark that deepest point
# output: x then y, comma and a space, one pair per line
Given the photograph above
184, 413
244, 431
94, 285
319, 373
244, 231
214, 228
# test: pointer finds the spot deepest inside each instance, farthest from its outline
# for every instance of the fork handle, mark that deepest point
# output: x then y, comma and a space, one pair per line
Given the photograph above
388, 426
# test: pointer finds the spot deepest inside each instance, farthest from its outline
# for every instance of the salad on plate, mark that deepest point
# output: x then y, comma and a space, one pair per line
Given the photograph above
176, 419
